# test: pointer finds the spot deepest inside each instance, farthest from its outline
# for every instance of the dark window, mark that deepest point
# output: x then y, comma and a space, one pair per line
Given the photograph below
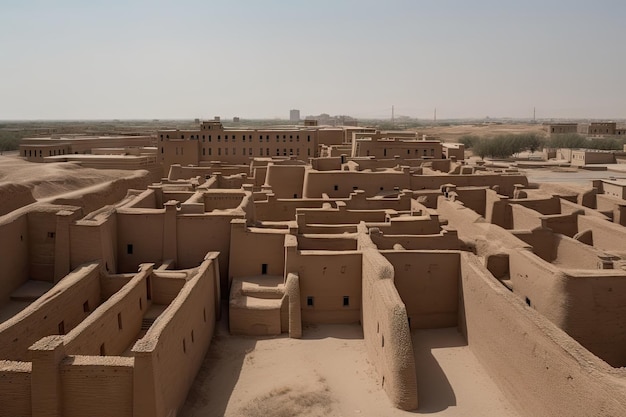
528, 302
336, 187
51, 235
346, 301
102, 351
264, 269
129, 249
309, 301
86, 307
140, 304
184, 346
119, 321
62, 328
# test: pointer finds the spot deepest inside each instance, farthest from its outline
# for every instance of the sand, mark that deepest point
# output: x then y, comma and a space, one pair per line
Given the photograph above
327, 374
454, 132
51, 179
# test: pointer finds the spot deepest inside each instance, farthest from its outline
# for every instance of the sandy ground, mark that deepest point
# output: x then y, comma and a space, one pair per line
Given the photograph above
453, 133
50, 179
327, 374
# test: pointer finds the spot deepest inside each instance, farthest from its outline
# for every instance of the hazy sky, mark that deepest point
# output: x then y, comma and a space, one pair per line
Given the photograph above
185, 59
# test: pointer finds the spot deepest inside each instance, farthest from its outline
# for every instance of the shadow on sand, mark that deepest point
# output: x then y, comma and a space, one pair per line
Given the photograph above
434, 390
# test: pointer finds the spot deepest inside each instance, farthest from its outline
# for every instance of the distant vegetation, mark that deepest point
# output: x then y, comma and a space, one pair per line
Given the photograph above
507, 145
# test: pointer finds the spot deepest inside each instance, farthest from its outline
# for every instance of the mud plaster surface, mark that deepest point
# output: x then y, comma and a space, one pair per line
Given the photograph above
327, 374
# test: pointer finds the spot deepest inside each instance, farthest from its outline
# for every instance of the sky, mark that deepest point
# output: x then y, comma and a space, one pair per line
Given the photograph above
131, 59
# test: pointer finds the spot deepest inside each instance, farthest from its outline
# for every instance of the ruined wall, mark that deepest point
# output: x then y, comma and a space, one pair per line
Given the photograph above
498, 210
95, 239
540, 369
286, 181
606, 235
505, 183
13, 253
473, 198
15, 389
327, 242
342, 183
168, 357
96, 386
42, 227
14, 196
61, 308
341, 216
413, 225
252, 248
115, 323
273, 209
428, 283
199, 234
386, 330
525, 218
444, 240
326, 278
587, 304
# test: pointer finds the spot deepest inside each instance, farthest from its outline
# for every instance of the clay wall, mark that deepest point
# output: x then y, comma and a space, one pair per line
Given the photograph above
428, 284
444, 240
340, 216
96, 386
506, 183
42, 227
146, 199
274, 209
584, 303
525, 218
61, 308
168, 357
606, 235
286, 181
546, 206
199, 234
13, 253
342, 183
498, 210
342, 242
385, 328
543, 242
15, 389
14, 196
326, 279
327, 163
178, 172
409, 225
115, 324
251, 248
573, 381
139, 237
93, 239
473, 198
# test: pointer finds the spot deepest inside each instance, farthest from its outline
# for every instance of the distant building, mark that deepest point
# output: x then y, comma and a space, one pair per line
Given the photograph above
294, 115
560, 128
598, 129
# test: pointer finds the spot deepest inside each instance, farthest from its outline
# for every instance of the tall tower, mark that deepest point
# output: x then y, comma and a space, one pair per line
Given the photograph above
294, 116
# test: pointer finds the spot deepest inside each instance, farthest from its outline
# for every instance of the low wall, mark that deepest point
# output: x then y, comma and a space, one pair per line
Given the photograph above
168, 357
447, 239
13, 253
428, 284
386, 329
61, 308
96, 386
15, 389
505, 183
14, 196
606, 235
541, 370
525, 218
342, 183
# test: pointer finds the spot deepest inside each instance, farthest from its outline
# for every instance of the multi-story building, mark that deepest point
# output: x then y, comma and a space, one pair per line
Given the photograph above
212, 141
598, 129
294, 116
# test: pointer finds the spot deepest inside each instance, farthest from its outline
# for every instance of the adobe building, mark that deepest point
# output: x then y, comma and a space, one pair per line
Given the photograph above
560, 128
109, 302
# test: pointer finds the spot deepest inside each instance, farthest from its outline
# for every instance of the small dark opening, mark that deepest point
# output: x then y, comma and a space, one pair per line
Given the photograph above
184, 346
86, 306
102, 352
346, 301
62, 328
204, 314
309, 301
382, 341
129, 249
528, 302
51, 235
295, 196
192, 338
148, 289
119, 321
140, 304
336, 187
264, 269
